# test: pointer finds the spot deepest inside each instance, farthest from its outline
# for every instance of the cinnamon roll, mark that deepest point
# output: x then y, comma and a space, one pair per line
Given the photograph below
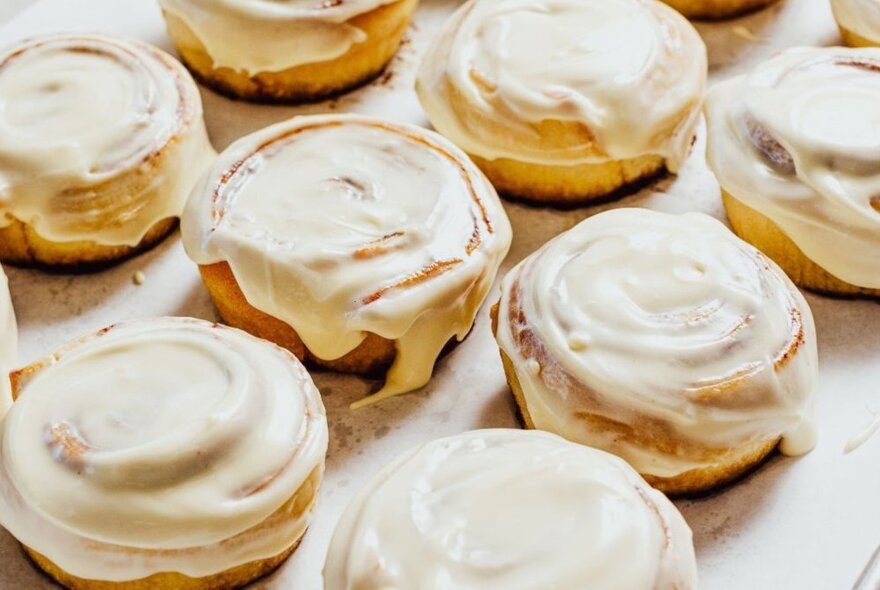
859, 21
795, 148
717, 9
286, 50
358, 244
502, 509
665, 340
101, 139
564, 101
161, 453
8, 343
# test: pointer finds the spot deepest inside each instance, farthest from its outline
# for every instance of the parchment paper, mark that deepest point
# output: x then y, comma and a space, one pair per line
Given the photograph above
808, 523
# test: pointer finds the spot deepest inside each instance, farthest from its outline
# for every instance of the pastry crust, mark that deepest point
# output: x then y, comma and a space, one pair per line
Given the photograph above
761, 232
728, 467
230, 579
567, 186
853, 39
373, 356
20, 244
384, 27
717, 9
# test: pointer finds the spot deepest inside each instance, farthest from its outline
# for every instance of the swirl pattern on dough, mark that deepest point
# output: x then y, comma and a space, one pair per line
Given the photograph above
661, 338
508, 509
160, 445
630, 73
797, 141
79, 113
346, 225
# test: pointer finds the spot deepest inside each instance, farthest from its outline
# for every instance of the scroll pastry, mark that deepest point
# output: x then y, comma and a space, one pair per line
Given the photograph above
859, 21
286, 50
356, 243
564, 101
101, 139
795, 148
161, 453
717, 9
665, 340
507, 509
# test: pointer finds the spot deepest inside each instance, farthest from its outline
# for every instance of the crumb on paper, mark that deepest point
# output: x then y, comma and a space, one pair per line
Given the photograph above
139, 278
746, 33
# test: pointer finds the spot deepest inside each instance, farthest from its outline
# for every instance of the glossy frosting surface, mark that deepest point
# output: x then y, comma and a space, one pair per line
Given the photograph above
511, 510
343, 225
77, 114
666, 323
798, 140
516, 63
272, 35
147, 447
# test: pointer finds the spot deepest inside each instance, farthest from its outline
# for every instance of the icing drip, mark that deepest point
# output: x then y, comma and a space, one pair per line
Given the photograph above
511, 510
517, 63
8, 343
272, 35
859, 16
79, 113
115, 470
668, 322
343, 225
798, 140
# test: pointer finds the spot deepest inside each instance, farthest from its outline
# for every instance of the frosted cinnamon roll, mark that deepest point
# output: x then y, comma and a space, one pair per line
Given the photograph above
8, 343
795, 149
564, 101
358, 244
859, 21
101, 139
161, 453
717, 9
665, 340
286, 50
502, 509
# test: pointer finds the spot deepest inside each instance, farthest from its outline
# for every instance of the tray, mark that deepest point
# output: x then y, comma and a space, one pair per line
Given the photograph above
807, 523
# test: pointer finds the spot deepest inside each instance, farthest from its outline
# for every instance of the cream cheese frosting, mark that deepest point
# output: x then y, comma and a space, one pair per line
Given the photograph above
511, 510
798, 140
272, 35
8, 343
100, 137
346, 225
158, 446
631, 72
859, 16
666, 321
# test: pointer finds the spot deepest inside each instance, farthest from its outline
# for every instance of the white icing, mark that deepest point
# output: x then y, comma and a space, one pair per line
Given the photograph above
823, 111
328, 222
631, 71
272, 35
859, 16
8, 343
509, 510
667, 322
181, 435
82, 121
